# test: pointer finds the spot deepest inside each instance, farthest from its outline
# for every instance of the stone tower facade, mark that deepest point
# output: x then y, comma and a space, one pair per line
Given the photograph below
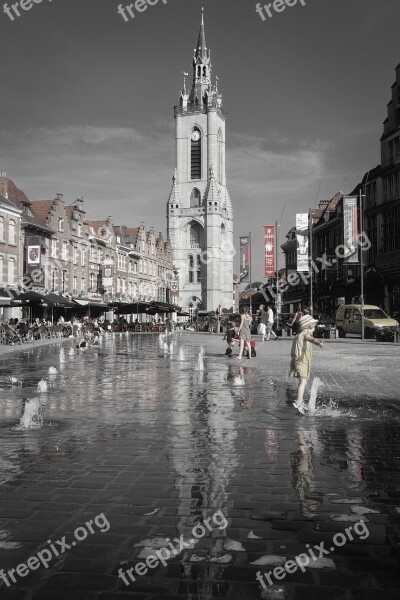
199, 209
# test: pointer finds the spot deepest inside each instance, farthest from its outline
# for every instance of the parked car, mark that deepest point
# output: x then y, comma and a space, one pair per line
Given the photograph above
348, 320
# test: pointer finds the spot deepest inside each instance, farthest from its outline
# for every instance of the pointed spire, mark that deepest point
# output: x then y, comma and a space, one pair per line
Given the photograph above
213, 192
201, 48
175, 197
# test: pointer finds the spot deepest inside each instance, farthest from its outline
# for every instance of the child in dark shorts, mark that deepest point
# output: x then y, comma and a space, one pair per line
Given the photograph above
231, 336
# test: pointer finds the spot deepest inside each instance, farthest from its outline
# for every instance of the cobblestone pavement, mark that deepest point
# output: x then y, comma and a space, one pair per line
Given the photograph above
133, 446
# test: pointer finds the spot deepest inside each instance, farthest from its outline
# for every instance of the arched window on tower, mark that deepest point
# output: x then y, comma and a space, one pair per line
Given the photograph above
220, 156
196, 154
191, 269
198, 268
195, 198
196, 235
199, 71
204, 71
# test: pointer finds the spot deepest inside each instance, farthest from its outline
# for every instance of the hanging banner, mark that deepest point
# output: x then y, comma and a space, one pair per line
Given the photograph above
245, 259
269, 251
174, 287
108, 271
302, 242
350, 229
33, 255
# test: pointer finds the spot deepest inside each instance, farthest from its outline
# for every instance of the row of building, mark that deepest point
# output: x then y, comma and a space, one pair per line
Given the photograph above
50, 250
335, 279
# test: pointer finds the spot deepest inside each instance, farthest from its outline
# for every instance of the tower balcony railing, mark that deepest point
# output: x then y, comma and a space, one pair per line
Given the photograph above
192, 211
193, 109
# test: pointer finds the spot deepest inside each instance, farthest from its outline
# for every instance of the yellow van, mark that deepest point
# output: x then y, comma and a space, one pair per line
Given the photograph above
348, 319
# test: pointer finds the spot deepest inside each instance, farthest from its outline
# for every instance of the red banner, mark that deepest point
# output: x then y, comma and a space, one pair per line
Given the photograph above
269, 251
174, 288
245, 259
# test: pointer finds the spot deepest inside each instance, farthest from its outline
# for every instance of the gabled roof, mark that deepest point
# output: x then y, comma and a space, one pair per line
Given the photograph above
132, 231
17, 196
97, 223
9, 204
41, 208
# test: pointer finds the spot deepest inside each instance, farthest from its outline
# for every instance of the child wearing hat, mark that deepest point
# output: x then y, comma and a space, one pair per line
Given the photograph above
300, 364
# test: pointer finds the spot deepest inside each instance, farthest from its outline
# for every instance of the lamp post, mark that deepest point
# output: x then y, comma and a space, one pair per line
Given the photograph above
362, 266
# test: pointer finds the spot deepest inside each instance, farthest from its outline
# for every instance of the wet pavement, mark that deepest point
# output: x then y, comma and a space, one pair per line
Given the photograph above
135, 452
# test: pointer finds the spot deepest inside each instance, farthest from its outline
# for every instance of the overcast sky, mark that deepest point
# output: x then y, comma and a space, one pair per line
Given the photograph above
86, 102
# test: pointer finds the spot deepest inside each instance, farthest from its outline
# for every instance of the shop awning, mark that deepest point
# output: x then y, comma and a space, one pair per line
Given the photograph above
81, 302
53, 299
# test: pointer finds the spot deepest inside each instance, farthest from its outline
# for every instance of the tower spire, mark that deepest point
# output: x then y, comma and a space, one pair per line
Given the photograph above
201, 48
201, 86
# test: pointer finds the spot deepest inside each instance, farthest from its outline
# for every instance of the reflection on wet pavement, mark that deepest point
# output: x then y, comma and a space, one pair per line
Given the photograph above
159, 439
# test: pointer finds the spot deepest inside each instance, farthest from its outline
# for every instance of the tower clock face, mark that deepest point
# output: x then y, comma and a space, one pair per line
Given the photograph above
195, 136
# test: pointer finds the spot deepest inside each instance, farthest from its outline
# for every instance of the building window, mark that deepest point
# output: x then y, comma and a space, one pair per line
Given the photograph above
54, 280
83, 253
198, 269
391, 230
196, 235
11, 271
1, 228
79, 229
92, 279
1, 268
75, 290
60, 224
196, 154
11, 232
83, 285
220, 155
54, 248
191, 269
75, 254
64, 282
195, 198
65, 250
135, 268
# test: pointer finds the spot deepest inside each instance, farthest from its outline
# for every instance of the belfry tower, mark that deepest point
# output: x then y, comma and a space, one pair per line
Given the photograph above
199, 210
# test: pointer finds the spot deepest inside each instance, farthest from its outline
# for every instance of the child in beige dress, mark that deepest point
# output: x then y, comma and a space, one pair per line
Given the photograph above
300, 364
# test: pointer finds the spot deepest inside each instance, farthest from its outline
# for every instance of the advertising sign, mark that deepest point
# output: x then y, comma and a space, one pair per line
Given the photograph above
33, 255
245, 259
302, 242
174, 289
350, 229
269, 251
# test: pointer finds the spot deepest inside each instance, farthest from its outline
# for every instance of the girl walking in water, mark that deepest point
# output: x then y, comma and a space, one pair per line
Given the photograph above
244, 332
300, 364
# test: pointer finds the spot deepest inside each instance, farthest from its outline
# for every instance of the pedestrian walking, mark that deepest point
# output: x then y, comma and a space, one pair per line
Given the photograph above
270, 323
300, 364
244, 332
262, 326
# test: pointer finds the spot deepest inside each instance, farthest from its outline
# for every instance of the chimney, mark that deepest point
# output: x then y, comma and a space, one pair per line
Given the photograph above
3, 174
60, 197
